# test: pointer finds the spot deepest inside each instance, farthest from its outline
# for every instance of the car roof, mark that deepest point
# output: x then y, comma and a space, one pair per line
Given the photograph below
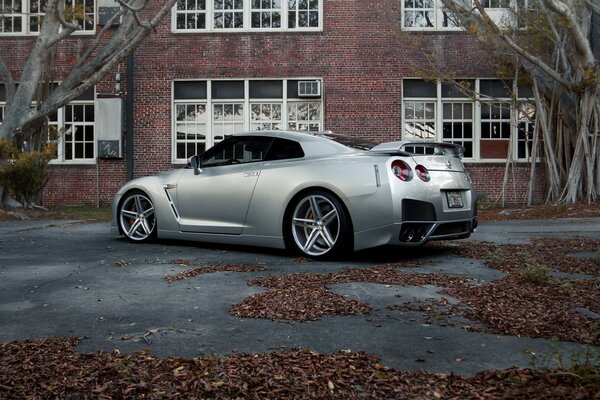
293, 135
314, 144
344, 143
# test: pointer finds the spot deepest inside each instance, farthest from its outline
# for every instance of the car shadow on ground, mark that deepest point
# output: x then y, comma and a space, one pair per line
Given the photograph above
377, 255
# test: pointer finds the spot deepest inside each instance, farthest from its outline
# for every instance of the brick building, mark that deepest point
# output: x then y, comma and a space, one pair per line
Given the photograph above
216, 67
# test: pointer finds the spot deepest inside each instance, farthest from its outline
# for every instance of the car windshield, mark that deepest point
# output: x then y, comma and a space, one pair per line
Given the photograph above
349, 141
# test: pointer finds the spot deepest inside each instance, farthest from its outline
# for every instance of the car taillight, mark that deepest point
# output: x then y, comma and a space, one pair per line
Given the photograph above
401, 170
422, 173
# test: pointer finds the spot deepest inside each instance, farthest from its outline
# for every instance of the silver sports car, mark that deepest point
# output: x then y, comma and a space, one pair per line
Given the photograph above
318, 194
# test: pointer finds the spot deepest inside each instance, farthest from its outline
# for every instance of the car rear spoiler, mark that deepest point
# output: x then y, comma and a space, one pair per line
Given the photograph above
422, 148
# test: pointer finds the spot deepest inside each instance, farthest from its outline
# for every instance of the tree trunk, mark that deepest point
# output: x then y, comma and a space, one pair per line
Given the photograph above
6, 200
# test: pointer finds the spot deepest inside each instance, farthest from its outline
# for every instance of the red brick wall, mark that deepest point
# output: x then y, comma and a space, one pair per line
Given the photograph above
488, 179
362, 56
89, 184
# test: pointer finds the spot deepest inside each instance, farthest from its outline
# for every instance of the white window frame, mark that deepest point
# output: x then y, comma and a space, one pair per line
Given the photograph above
26, 17
237, 124
477, 103
503, 16
247, 25
62, 142
227, 11
306, 122
523, 119
247, 102
193, 123
421, 109
266, 121
437, 9
462, 120
271, 11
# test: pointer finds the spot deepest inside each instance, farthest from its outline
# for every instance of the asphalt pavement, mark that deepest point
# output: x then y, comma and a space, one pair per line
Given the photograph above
75, 278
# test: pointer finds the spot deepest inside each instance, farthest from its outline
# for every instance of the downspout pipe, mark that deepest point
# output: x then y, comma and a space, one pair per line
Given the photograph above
129, 117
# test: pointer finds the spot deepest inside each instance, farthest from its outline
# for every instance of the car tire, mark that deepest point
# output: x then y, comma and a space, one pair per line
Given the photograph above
137, 217
318, 226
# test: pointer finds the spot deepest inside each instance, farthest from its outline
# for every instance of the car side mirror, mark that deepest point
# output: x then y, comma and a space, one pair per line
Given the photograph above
194, 162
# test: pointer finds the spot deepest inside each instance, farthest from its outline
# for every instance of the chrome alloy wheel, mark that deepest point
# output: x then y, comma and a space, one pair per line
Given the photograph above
136, 217
315, 225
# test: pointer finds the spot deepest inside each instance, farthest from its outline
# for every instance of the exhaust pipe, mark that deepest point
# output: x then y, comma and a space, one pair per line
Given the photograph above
407, 234
414, 233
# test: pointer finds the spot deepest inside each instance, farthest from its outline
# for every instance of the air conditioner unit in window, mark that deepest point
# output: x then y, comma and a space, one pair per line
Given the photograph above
109, 126
309, 88
106, 10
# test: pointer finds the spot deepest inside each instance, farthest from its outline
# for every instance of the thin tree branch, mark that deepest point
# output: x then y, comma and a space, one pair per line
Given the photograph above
89, 74
134, 10
594, 6
520, 51
581, 42
98, 38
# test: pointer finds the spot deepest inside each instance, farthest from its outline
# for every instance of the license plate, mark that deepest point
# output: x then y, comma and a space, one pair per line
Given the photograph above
454, 199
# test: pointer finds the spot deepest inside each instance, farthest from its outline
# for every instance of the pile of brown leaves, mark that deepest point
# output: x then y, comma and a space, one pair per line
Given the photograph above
555, 254
511, 306
209, 268
50, 368
301, 297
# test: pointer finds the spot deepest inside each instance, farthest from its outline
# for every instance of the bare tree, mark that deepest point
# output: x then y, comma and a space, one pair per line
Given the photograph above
25, 110
549, 43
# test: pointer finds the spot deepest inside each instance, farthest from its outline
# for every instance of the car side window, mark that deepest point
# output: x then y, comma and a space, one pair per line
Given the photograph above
283, 149
236, 150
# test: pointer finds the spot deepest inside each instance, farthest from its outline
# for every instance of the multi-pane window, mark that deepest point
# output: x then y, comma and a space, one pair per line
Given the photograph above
266, 14
433, 15
419, 120
419, 110
495, 3
265, 116
190, 14
419, 13
228, 14
427, 14
495, 129
25, 16
206, 112
11, 16
525, 130
71, 128
53, 131
244, 15
303, 13
228, 119
304, 116
190, 127
36, 10
79, 132
495, 118
458, 114
457, 125
476, 114
80, 12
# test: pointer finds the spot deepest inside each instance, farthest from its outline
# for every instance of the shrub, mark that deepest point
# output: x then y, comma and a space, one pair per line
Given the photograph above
536, 273
24, 175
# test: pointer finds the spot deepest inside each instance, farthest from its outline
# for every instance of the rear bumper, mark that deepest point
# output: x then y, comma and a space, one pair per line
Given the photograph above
415, 233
